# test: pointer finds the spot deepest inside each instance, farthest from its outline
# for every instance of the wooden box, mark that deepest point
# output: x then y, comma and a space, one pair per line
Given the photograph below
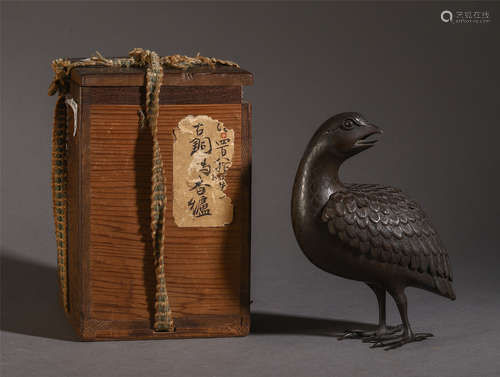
111, 279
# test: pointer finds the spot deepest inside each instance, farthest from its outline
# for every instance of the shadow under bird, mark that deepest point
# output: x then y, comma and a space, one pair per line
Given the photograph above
366, 232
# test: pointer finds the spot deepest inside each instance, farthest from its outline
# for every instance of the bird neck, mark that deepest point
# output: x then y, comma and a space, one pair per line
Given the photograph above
317, 178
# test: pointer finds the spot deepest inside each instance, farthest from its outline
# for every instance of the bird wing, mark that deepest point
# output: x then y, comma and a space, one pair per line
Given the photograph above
384, 223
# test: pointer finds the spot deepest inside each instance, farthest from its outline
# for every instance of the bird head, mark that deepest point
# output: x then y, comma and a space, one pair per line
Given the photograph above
348, 134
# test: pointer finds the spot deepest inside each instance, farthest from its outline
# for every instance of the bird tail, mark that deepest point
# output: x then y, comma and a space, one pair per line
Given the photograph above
444, 287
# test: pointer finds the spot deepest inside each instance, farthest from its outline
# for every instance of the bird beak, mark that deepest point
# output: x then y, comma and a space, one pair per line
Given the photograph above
365, 140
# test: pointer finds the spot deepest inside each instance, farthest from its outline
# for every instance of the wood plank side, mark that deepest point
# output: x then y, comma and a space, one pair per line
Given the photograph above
199, 76
73, 212
246, 171
203, 264
206, 326
169, 95
83, 135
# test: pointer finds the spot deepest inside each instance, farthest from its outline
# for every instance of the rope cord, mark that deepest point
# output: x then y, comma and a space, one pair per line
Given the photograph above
59, 199
153, 64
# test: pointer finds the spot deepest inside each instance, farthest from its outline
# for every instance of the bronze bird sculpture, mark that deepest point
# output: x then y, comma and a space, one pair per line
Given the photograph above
365, 232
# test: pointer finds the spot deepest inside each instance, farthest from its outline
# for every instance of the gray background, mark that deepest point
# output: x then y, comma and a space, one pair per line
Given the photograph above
432, 86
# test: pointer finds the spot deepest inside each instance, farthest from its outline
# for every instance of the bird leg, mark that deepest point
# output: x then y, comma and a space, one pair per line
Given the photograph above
390, 342
382, 330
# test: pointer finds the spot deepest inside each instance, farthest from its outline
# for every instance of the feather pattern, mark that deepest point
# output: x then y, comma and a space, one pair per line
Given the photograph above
384, 223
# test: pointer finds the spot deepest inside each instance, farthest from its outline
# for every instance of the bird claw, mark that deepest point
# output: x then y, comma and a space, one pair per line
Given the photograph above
352, 334
392, 342
370, 336
390, 333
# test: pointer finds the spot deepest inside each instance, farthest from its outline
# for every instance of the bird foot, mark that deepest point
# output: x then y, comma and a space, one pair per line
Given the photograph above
389, 342
371, 336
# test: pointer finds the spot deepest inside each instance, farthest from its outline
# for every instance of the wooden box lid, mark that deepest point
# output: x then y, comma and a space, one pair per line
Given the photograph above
196, 76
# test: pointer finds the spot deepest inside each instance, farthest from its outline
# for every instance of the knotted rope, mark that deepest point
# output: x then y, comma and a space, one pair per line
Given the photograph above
153, 65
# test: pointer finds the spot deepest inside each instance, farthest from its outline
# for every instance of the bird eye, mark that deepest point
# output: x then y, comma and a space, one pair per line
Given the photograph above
348, 124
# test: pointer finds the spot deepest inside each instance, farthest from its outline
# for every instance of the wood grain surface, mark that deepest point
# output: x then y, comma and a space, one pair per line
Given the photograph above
73, 190
133, 76
207, 268
169, 95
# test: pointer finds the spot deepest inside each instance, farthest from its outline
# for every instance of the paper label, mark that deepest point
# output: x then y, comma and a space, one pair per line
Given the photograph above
203, 153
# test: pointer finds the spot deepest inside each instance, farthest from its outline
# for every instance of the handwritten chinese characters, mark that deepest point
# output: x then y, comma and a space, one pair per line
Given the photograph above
203, 152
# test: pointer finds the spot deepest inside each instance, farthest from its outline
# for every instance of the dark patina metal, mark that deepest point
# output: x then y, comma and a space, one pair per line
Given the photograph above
370, 233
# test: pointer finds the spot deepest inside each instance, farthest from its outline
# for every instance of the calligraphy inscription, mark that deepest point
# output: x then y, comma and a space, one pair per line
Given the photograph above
203, 153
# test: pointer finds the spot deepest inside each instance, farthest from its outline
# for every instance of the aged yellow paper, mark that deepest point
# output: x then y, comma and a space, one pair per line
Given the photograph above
203, 153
